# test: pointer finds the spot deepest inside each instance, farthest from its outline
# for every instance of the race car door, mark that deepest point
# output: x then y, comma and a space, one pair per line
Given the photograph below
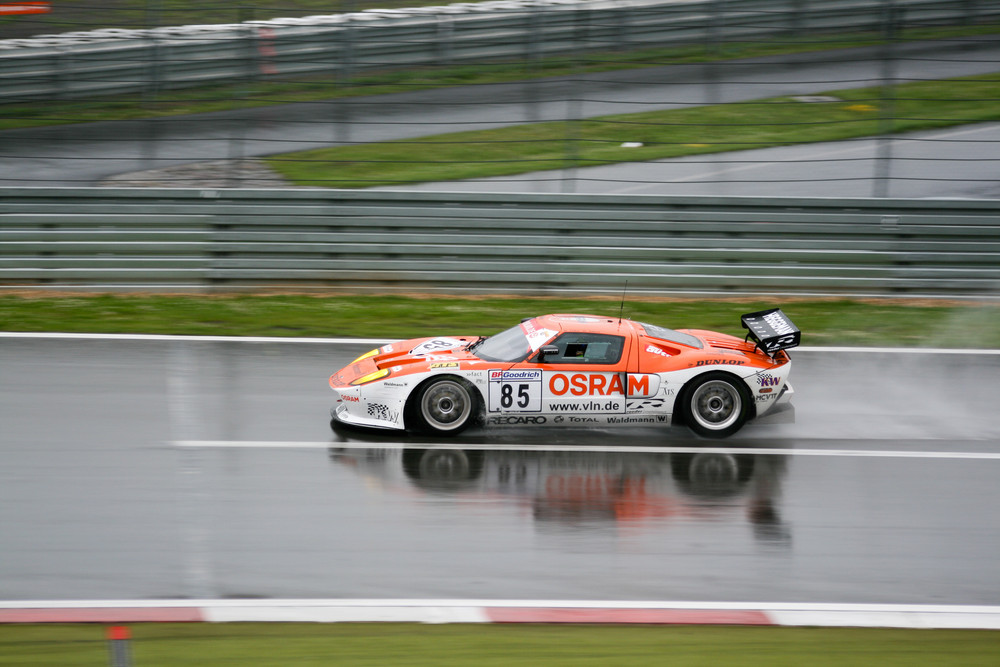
584, 379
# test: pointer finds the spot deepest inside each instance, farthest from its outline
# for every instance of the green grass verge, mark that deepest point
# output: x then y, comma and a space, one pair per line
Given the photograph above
463, 644
663, 134
823, 322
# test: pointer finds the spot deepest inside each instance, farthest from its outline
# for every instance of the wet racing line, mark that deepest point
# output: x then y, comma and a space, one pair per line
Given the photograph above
617, 449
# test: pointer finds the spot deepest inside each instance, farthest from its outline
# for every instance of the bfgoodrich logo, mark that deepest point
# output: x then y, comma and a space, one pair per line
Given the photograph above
510, 376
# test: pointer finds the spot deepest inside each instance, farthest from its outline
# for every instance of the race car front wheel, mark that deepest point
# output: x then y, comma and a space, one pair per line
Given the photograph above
716, 405
444, 406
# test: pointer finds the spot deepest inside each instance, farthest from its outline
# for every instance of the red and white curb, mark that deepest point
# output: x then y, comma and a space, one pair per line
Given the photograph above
501, 611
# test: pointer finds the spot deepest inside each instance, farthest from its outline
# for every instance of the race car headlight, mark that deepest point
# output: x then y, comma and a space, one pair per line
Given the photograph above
371, 377
365, 356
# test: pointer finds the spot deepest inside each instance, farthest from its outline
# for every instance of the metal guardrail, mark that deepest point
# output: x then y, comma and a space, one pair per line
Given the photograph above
110, 61
532, 244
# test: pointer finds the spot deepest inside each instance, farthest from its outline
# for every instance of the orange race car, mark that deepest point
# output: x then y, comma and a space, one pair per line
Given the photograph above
573, 370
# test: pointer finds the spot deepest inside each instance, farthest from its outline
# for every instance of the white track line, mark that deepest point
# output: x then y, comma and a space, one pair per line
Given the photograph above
383, 341
485, 602
858, 453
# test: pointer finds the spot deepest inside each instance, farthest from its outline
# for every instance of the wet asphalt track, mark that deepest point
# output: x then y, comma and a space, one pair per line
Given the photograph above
883, 491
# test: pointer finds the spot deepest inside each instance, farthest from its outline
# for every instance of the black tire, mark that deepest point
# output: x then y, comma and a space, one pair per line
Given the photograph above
444, 405
715, 405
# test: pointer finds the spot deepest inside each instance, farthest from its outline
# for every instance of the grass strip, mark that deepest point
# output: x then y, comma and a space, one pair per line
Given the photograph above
664, 134
303, 644
823, 321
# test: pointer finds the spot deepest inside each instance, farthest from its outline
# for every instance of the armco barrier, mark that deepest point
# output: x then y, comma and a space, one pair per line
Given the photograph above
116, 61
533, 244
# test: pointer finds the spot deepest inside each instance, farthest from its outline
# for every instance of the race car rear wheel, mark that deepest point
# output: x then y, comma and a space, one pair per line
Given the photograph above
716, 405
444, 406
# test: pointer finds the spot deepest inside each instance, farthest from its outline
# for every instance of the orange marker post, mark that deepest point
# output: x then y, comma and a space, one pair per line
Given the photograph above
118, 646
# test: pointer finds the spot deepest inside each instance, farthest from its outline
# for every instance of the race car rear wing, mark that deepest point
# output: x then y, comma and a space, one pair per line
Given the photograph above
771, 330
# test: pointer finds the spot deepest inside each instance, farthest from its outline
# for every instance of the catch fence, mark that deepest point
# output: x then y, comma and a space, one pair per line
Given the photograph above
114, 61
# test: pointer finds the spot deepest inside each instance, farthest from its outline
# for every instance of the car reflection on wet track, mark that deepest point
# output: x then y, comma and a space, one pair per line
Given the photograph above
580, 489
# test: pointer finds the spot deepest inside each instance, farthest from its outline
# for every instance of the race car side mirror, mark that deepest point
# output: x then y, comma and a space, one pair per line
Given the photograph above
547, 351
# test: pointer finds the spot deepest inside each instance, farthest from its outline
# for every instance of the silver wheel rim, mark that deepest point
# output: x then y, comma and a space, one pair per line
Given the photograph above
716, 405
446, 405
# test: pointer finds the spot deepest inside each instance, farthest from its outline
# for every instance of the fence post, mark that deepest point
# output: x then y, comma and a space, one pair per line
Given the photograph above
443, 41
343, 79
236, 139
154, 15
892, 18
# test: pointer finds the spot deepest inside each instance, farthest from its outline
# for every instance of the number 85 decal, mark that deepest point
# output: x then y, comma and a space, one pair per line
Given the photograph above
515, 397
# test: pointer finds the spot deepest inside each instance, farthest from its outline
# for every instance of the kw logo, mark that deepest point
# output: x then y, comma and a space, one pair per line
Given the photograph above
768, 381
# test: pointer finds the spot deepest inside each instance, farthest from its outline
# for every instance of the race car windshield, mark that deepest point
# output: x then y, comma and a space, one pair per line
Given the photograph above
670, 335
510, 345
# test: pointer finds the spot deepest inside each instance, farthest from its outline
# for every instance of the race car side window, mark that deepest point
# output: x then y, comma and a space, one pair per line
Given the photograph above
587, 348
